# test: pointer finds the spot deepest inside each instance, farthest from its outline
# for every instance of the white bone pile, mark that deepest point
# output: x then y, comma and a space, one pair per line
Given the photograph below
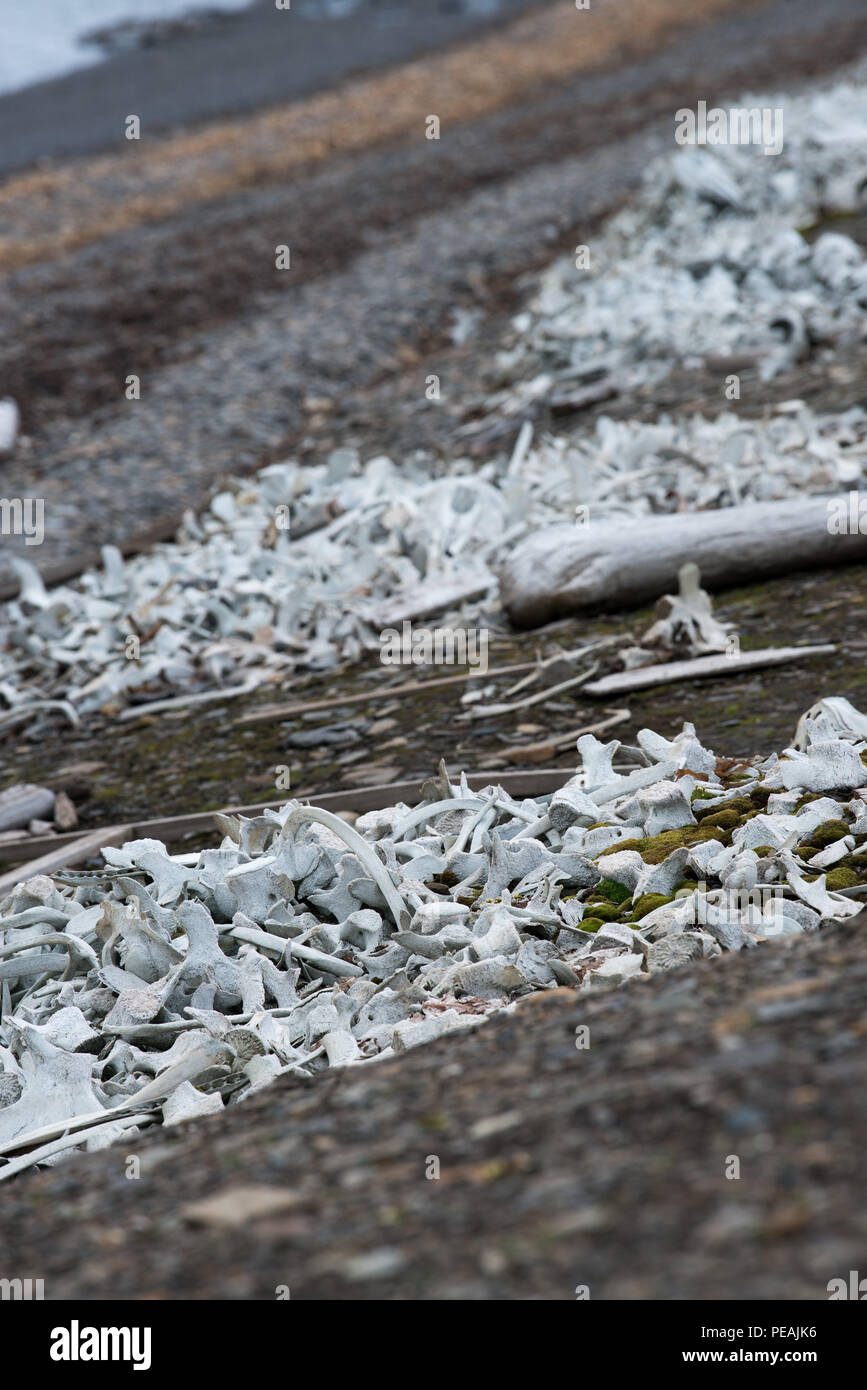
235, 601
711, 260
163, 987
688, 463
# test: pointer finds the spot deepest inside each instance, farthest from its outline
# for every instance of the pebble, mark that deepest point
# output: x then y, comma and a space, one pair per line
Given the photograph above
9, 425
673, 951
232, 1207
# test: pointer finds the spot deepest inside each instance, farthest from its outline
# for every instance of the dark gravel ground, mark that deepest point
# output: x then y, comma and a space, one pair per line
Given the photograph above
558, 1166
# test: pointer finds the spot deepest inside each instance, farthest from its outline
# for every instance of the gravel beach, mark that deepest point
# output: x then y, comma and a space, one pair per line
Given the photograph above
414, 260
558, 1167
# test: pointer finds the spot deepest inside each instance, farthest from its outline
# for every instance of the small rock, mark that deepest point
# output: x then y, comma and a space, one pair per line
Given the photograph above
21, 804
376, 1264
233, 1207
615, 934
673, 951
616, 968
10, 421
65, 814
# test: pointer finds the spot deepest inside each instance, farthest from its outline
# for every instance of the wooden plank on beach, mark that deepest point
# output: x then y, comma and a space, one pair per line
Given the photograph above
527, 782
622, 682
76, 849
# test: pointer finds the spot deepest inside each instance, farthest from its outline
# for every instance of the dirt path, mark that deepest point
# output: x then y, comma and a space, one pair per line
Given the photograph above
558, 1167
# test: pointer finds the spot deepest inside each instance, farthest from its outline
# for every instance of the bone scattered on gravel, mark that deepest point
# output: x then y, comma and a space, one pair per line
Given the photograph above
235, 601
163, 987
710, 262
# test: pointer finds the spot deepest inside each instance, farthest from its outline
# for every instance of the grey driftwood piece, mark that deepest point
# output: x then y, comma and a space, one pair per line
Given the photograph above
23, 803
623, 562
623, 682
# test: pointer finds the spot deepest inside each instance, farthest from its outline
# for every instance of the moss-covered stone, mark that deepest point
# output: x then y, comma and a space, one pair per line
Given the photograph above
702, 794
839, 877
622, 844
608, 912
710, 832
828, 833
590, 923
656, 848
760, 796
763, 851
612, 890
738, 806
647, 902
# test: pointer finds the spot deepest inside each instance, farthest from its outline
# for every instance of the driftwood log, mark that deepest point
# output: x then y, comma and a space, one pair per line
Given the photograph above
622, 563
23, 803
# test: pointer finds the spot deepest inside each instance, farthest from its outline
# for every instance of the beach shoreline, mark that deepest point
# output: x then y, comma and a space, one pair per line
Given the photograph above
222, 65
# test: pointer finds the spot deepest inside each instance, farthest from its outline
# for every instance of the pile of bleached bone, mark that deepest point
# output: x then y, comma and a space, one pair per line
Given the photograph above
165, 986
236, 600
710, 261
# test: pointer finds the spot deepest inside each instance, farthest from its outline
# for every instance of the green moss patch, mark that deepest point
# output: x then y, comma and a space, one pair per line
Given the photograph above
839, 877
648, 902
613, 891
738, 806
828, 833
607, 912
656, 848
